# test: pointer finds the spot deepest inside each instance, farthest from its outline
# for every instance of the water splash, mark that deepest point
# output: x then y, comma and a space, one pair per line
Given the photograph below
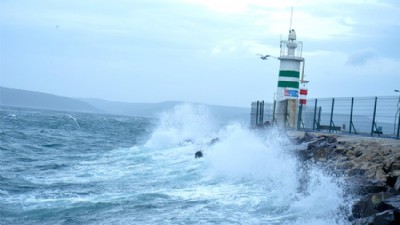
185, 123
269, 163
256, 172
73, 119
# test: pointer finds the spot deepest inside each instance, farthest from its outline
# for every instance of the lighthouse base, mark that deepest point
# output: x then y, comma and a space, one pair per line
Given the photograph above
286, 113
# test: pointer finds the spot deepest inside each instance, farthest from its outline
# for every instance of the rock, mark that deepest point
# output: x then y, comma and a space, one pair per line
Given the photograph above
394, 173
307, 137
391, 203
367, 206
384, 218
395, 165
198, 154
364, 221
350, 153
391, 181
396, 185
393, 191
380, 174
371, 167
372, 186
359, 208
321, 154
304, 155
355, 172
331, 139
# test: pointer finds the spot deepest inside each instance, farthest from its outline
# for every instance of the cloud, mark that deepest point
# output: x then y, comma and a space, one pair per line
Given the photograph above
362, 57
181, 45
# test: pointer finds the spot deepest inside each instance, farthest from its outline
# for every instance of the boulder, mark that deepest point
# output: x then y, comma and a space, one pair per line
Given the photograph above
391, 203
307, 137
384, 218
396, 185
198, 154
364, 221
372, 186
368, 205
391, 181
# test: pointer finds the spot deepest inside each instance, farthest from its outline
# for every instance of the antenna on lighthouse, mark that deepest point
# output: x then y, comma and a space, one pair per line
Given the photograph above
292, 33
291, 16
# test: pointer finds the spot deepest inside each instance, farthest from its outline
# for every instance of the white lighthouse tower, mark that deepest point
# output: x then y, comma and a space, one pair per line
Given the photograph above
289, 80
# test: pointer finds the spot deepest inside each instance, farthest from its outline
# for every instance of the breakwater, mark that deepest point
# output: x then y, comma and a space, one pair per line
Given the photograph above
370, 165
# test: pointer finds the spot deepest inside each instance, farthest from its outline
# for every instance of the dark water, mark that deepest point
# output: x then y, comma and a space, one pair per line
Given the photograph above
78, 168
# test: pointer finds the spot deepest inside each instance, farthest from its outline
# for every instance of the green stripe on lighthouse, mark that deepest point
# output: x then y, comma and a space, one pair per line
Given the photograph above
288, 73
289, 84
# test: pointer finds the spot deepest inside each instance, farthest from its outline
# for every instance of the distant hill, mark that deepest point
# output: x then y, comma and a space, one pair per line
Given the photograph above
32, 99
154, 109
23, 98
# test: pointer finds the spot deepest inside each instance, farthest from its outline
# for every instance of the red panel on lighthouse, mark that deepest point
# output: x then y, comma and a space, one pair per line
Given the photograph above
303, 91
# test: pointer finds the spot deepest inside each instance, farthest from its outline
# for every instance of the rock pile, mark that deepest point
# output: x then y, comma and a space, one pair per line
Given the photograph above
372, 164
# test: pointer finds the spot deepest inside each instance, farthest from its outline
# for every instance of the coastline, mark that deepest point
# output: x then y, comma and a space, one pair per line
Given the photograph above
370, 164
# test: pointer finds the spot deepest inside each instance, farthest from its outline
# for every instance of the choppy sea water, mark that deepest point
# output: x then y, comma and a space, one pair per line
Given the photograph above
79, 168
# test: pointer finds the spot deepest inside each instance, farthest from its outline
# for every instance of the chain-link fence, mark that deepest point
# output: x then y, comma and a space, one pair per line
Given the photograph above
375, 116
378, 116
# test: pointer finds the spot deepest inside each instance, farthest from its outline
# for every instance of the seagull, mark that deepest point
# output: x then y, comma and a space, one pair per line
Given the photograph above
264, 57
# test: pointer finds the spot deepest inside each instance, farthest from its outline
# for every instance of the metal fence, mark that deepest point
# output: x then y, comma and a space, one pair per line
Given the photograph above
375, 116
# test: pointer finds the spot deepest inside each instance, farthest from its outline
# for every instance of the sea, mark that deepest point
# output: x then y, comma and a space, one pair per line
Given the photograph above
83, 168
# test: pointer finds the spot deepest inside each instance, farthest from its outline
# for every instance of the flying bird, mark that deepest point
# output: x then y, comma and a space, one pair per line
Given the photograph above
264, 57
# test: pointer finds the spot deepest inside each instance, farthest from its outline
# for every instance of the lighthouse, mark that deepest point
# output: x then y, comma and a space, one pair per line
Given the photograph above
287, 95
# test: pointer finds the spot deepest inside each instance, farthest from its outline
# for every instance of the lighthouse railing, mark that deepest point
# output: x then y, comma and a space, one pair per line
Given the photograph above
297, 53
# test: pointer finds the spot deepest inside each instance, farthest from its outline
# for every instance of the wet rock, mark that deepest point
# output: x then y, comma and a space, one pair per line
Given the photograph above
367, 206
396, 185
304, 155
391, 181
384, 218
365, 186
320, 143
360, 207
321, 154
370, 166
364, 221
307, 137
355, 172
391, 203
198, 154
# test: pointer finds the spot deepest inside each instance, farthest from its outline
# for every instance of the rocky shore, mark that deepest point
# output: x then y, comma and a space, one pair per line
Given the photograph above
372, 165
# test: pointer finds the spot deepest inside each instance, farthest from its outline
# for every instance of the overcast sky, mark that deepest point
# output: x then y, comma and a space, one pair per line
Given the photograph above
196, 50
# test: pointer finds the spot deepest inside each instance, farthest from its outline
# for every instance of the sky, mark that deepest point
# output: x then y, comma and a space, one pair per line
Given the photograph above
202, 51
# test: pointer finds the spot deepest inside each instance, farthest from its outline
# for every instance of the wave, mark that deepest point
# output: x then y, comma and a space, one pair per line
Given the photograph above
258, 171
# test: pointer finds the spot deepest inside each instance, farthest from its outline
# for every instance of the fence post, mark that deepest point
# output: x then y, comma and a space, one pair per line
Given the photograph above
331, 121
273, 114
315, 114
287, 114
398, 128
351, 115
262, 113
257, 113
319, 117
299, 117
373, 117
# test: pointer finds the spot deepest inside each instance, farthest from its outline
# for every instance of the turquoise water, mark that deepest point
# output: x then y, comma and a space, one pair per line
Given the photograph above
78, 168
